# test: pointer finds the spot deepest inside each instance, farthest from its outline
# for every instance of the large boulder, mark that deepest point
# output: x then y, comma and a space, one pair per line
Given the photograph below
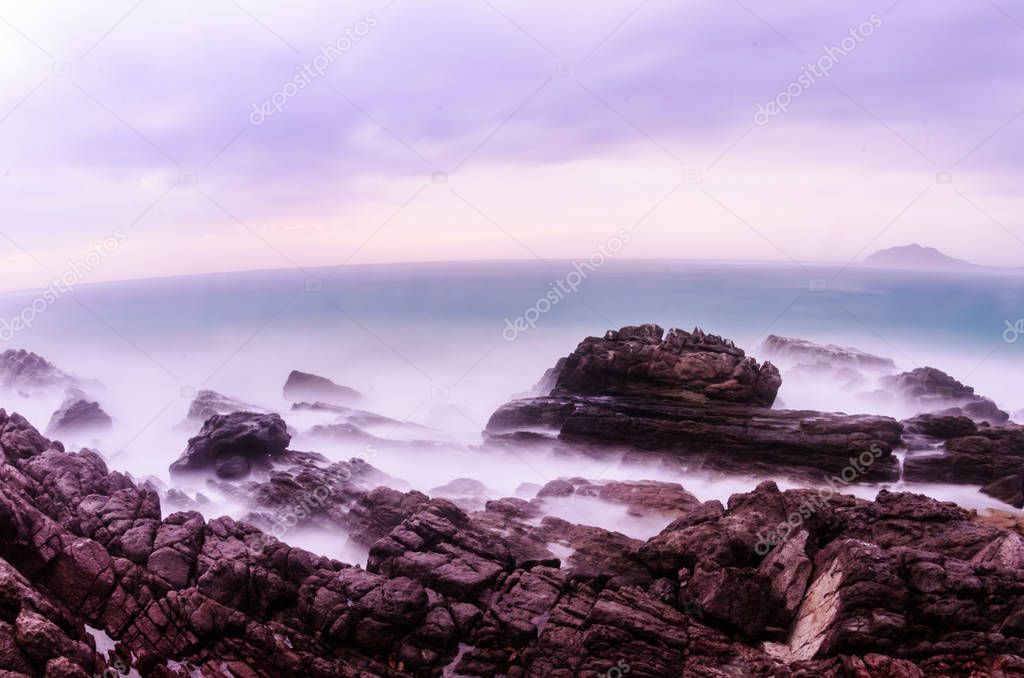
233, 444
698, 397
302, 386
642, 361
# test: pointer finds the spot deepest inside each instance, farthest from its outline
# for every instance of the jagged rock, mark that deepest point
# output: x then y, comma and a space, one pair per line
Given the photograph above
78, 416
20, 369
802, 351
932, 390
638, 361
699, 397
233, 444
302, 386
904, 585
991, 456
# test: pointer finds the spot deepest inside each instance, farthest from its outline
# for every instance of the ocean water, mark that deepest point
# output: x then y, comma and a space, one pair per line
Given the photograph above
430, 343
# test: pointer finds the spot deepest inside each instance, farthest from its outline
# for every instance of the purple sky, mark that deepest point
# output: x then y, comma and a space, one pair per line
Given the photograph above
556, 125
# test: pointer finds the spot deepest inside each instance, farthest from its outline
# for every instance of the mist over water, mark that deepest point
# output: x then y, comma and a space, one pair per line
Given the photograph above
424, 343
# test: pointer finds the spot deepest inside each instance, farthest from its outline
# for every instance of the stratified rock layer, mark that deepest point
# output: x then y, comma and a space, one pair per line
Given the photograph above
696, 396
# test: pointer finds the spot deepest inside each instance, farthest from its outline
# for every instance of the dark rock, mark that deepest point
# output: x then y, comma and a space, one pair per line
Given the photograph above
78, 416
991, 456
724, 436
637, 361
698, 397
1009, 489
932, 390
302, 386
901, 586
231, 444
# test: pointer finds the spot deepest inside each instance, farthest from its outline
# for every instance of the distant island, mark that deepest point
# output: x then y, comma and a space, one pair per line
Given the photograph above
918, 256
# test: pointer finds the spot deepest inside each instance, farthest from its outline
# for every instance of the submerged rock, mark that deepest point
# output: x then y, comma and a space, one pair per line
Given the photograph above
302, 386
233, 444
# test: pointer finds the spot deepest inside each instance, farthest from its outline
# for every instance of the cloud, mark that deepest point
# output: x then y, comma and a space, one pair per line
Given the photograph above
486, 88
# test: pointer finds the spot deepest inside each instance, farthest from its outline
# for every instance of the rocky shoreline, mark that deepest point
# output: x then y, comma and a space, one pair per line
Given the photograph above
103, 573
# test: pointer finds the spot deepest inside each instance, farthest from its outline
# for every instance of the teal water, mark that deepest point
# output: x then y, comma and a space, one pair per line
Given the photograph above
426, 342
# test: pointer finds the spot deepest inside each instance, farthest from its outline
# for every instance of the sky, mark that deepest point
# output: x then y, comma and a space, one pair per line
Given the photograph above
178, 133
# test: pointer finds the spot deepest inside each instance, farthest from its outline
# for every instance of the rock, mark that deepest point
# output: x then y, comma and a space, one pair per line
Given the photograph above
900, 586
723, 437
695, 396
352, 416
637, 361
232, 444
302, 386
990, 456
1009, 489
930, 390
78, 416
20, 369
643, 497
801, 351
208, 403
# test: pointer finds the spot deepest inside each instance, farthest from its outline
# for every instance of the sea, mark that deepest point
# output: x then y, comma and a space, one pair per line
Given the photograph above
444, 344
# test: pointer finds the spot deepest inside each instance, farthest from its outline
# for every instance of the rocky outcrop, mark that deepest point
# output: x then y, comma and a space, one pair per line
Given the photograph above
903, 586
232, 445
302, 386
930, 390
991, 456
645, 362
20, 369
803, 352
78, 415
697, 397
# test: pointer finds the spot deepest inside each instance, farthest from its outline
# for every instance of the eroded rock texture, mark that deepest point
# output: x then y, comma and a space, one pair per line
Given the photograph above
699, 397
903, 586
